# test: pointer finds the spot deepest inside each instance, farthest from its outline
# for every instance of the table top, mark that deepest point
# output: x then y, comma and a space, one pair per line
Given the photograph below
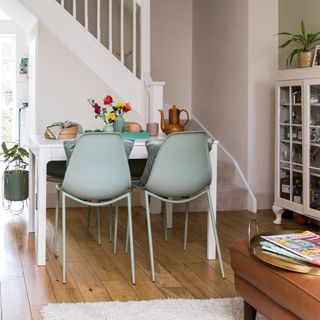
278, 260
43, 142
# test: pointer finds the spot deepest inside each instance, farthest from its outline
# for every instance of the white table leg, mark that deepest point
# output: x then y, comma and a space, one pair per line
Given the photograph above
42, 208
211, 243
32, 193
169, 215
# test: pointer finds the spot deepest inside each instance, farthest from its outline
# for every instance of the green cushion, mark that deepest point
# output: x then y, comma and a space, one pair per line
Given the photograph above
70, 145
153, 147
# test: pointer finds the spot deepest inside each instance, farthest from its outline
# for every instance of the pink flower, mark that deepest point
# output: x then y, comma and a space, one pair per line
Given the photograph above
97, 108
107, 100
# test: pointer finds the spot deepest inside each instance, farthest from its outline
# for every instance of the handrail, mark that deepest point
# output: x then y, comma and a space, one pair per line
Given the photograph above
253, 197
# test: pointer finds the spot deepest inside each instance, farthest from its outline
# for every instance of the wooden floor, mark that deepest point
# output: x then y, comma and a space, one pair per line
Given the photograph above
96, 274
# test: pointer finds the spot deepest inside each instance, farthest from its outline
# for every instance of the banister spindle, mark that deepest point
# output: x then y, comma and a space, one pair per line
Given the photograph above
74, 9
62, 3
134, 36
122, 32
98, 20
110, 25
86, 16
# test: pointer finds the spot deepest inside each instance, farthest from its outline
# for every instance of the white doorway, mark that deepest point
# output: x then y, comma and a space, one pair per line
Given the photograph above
8, 101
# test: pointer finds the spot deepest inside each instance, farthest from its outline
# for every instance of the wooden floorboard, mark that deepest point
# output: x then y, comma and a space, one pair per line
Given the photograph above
95, 273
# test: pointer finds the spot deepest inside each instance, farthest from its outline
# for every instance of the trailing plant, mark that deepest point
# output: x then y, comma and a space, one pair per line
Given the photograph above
306, 40
15, 158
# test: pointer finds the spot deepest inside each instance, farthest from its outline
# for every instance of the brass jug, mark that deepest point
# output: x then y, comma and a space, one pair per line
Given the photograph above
174, 120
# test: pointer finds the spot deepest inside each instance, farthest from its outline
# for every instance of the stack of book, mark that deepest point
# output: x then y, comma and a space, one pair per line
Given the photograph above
303, 246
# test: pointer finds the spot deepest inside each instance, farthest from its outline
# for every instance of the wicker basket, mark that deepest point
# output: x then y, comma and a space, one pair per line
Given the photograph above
68, 133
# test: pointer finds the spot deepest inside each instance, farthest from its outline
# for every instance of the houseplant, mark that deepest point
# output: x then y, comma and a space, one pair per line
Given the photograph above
306, 43
15, 176
110, 113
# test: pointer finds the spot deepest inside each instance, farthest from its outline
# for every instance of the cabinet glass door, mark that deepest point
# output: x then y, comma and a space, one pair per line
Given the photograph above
290, 144
314, 145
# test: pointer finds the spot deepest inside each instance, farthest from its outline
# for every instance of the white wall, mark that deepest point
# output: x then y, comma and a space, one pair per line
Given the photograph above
64, 84
262, 67
171, 49
290, 14
220, 72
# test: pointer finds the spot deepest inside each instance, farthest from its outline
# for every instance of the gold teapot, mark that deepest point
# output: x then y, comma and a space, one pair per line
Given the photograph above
174, 120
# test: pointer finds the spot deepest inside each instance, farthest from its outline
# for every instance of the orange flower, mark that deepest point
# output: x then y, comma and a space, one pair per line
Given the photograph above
127, 107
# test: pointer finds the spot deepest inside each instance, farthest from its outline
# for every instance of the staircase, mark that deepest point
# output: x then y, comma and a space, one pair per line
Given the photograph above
111, 37
230, 197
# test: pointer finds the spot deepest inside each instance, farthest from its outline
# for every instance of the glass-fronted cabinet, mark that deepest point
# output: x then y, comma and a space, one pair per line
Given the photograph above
297, 152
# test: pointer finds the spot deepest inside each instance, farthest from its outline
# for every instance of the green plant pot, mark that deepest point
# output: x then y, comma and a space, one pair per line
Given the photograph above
16, 185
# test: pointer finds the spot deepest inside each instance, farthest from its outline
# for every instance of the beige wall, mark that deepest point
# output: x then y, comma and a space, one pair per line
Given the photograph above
64, 84
290, 14
220, 72
171, 49
262, 68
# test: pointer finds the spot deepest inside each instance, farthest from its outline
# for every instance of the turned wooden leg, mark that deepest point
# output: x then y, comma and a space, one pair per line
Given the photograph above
249, 312
278, 211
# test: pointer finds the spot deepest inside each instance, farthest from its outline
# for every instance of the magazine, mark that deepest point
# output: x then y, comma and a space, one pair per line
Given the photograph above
305, 244
270, 247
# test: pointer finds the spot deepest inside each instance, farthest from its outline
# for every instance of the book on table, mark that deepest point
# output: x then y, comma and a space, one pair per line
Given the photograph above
305, 245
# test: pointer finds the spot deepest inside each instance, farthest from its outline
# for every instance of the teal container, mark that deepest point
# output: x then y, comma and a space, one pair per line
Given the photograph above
119, 124
108, 127
16, 185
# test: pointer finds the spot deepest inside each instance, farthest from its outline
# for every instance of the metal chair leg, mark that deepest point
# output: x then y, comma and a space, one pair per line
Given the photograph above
115, 229
56, 222
164, 210
150, 236
213, 222
64, 249
133, 274
99, 225
186, 222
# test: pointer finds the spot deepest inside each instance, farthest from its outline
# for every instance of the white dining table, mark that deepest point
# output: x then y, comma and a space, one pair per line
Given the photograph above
42, 151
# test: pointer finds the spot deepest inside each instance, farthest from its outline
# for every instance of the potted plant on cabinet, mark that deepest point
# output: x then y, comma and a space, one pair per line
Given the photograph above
15, 176
306, 41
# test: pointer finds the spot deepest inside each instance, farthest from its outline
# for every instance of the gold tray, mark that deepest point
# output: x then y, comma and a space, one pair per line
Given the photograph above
278, 260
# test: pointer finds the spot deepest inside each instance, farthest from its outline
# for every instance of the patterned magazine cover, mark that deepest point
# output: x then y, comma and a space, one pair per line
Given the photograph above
305, 244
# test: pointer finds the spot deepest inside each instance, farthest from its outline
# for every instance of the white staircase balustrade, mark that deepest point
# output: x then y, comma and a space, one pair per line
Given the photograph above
112, 37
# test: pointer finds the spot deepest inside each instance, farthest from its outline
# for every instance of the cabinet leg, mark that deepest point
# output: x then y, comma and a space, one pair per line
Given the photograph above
249, 311
278, 211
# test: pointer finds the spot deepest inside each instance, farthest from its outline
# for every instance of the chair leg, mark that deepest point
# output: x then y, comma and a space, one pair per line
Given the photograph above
186, 222
99, 225
150, 236
133, 273
64, 249
110, 222
164, 210
215, 234
88, 216
56, 222
115, 229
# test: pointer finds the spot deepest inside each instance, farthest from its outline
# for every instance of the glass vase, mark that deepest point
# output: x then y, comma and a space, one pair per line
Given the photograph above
119, 124
108, 127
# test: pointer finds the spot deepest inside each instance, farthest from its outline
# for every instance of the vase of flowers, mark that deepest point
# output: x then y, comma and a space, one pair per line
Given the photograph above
111, 114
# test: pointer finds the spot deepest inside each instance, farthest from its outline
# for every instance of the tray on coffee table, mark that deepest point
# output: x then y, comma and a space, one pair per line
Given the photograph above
278, 260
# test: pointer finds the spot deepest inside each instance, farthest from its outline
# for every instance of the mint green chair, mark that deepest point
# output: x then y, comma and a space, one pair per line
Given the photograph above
180, 174
97, 175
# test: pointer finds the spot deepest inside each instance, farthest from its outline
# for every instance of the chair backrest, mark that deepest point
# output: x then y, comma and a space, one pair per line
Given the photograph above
98, 168
182, 166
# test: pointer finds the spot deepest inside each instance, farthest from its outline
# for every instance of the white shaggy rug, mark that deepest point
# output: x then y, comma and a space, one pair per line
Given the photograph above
170, 309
